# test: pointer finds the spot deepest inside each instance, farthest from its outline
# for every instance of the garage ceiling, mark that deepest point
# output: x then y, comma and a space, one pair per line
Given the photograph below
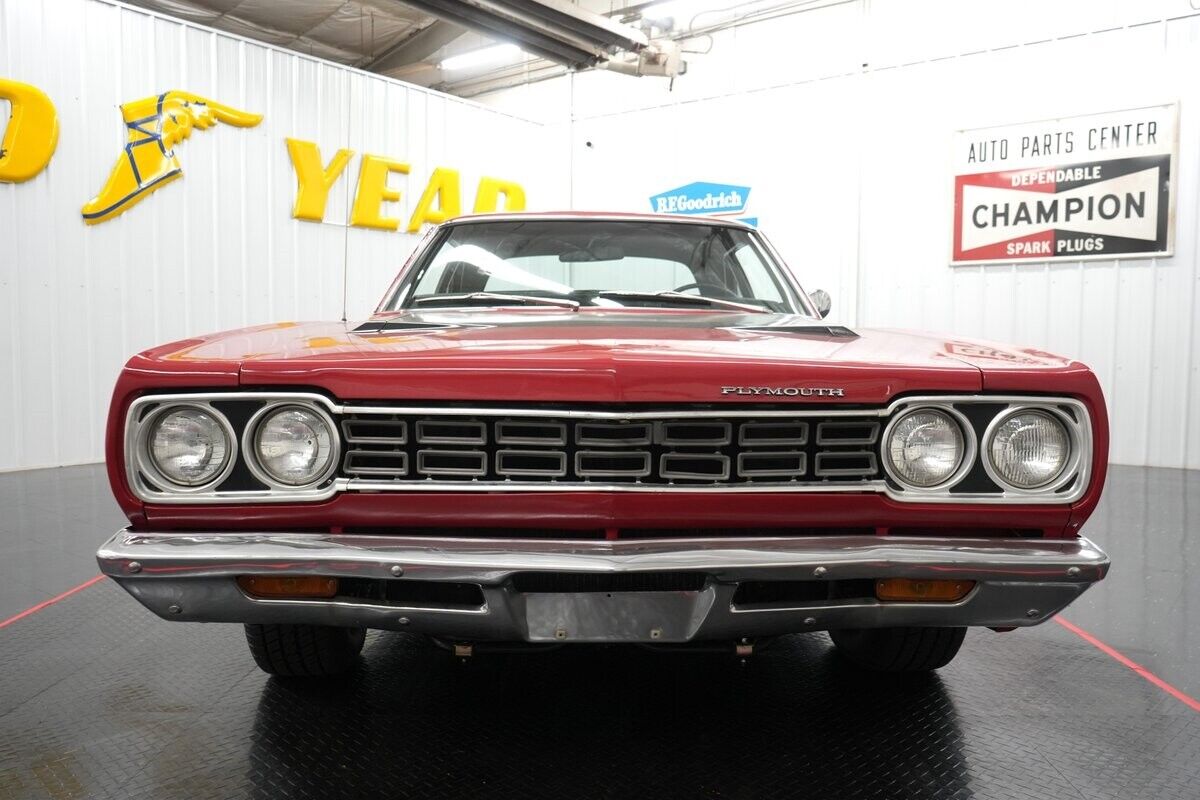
411, 39
346, 31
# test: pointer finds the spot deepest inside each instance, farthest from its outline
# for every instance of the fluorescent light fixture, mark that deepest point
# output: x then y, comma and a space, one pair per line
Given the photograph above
477, 58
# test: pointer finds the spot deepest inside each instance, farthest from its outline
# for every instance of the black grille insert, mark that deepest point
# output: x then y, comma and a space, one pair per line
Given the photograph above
779, 593
571, 582
434, 594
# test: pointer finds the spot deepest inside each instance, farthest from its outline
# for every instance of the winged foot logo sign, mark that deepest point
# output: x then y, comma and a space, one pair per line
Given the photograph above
704, 198
148, 161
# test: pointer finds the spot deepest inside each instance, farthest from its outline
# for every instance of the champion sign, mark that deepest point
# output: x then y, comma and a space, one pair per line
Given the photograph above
702, 198
1040, 210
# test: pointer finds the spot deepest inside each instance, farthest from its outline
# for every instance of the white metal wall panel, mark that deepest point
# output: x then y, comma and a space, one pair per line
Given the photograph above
841, 121
218, 248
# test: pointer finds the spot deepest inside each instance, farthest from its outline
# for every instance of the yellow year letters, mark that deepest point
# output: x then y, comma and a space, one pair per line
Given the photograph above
31, 134
314, 181
441, 200
373, 192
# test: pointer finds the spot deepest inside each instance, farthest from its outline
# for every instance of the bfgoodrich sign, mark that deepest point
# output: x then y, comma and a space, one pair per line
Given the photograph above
1088, 187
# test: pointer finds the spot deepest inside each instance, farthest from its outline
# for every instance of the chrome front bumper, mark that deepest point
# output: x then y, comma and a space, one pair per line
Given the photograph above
190, 576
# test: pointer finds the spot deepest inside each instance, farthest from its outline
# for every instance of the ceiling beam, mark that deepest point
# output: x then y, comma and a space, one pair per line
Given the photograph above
416, 48
587, 25
505, 25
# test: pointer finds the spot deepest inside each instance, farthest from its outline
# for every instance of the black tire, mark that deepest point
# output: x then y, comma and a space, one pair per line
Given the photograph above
899, 649
304, 651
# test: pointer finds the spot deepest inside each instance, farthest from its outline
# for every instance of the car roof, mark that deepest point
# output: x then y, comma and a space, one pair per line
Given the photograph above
614, 216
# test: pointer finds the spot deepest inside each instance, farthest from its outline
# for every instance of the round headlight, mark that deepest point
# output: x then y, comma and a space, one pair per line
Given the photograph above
924, 448
294, 445
188, 446
1029, 449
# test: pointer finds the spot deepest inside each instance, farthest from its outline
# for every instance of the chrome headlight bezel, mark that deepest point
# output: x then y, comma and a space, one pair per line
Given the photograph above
966, 460
147, 465
1070, 465
250, 452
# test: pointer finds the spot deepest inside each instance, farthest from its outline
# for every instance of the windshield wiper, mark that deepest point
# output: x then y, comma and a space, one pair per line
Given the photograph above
490, 298
691, 299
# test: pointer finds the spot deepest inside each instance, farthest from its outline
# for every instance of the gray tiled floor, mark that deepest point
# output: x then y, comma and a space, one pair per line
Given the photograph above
51, 521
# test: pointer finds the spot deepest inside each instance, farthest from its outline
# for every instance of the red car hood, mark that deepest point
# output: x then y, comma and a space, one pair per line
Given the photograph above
551, 355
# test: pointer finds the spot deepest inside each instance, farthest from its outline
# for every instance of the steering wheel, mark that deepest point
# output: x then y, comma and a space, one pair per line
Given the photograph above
685, 287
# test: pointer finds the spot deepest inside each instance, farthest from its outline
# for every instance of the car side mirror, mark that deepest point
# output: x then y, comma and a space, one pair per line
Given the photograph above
821, 299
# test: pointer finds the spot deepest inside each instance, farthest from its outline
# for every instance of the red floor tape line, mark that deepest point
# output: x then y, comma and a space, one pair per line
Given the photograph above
51, 601
1117, 656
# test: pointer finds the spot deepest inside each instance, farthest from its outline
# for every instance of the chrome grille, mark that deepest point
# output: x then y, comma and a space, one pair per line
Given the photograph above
573, 449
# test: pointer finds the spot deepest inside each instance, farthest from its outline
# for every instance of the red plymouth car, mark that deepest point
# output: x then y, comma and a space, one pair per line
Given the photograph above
563, 428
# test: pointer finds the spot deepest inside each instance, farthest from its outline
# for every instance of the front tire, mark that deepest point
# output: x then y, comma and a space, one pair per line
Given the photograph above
304, 651
899, 649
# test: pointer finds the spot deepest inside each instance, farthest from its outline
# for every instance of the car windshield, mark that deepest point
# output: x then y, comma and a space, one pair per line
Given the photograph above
574, 263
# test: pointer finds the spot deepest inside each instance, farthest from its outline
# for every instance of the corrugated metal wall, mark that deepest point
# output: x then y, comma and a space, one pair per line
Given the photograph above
218, 248
841, 121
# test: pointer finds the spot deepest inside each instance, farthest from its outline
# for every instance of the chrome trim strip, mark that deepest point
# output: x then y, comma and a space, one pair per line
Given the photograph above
663, 434
799, 410
507, 438
189, 577
823, 427
387, 423
398, 455
761, 487
1080, 427
478, 455
423, 438
581, 438
683, 474
489, 561
800, 456
668, 219
557, 472
843, 472
772, 442
643, 471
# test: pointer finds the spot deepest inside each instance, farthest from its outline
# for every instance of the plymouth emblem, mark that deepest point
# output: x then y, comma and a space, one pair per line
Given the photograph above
785, 391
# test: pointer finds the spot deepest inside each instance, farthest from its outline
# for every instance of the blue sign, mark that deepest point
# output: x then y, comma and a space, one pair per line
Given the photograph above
702, 198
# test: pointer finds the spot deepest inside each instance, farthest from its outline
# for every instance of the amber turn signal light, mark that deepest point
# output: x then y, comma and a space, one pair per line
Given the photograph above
283, 587
910, 591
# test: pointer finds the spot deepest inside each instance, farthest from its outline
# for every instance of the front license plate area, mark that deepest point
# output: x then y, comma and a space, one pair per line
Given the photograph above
616, 616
